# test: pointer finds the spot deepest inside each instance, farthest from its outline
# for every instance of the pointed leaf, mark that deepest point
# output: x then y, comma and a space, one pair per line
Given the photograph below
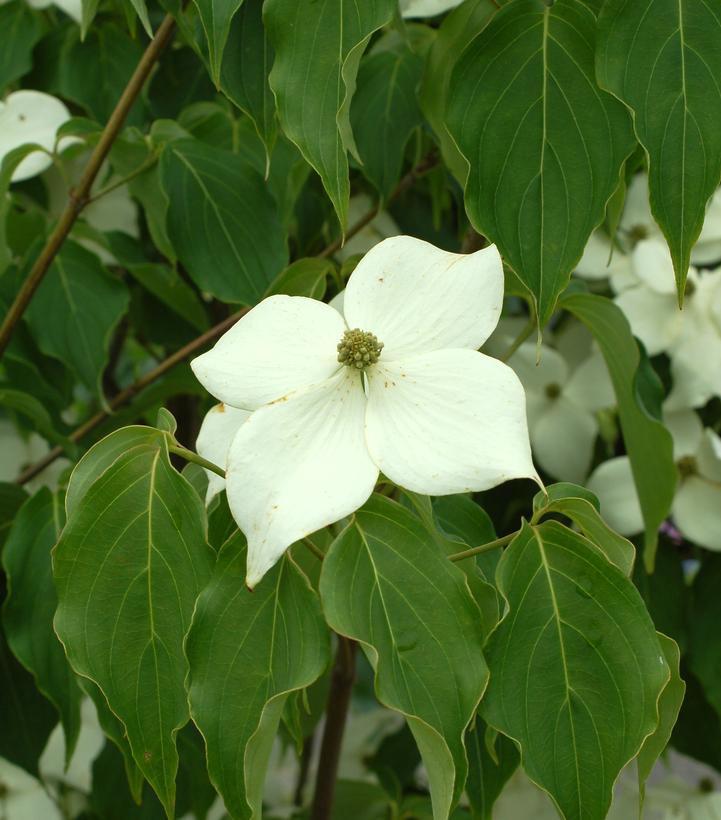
487, 775
576, 667
247, 652
648, 442
544, 144
241, 247
663, 59
704, 649
30, 606
128, 568
74, 312
216, 17
313, 79
386, 583
21, 27
12, 497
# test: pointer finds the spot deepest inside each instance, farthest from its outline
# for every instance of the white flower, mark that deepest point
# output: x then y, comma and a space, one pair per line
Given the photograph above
427, 8
696, 507
73, 8
31, 117
562, 405
416, 400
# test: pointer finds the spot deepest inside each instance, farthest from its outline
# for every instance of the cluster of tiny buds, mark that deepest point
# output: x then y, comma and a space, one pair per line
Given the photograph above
359, 349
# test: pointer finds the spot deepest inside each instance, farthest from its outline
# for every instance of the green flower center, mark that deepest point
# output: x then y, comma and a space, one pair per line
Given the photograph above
636, 233
553, 391
359, 349
687, 466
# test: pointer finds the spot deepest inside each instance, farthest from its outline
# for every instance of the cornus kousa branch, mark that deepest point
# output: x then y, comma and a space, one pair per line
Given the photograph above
80, 196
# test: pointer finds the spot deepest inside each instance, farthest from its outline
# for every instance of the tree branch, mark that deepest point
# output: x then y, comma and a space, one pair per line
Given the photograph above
79, 196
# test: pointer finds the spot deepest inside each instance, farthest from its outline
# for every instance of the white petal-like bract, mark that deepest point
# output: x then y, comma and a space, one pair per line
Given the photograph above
446, 422
299, 464
417, 298
282, 344
612, 482
217, 432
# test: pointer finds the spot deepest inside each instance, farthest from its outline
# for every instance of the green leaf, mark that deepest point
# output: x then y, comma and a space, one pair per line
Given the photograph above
544, 145
21, 27
387, 584
704, 648
576, 667
647, 441
304, 277
128, 568
113, 55
111, 798
488, 775
12, 497
314, 76
456, 32
669, 705
165, 284
697, 732
216, 17
141, 9
581, 506
26, 717
74, 312
247, 652
385, 113
9, 163
33, 410
222, 221
30, 606
663, 59
246, 65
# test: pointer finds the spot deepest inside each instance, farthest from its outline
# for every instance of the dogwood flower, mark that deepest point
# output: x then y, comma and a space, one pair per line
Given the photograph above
426, 8
562, 403
73, 8
696, 507
31, 117
395, 385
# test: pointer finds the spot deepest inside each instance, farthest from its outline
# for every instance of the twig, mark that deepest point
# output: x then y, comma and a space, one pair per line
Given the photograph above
79, 196
491, 545
129, 392
341, 688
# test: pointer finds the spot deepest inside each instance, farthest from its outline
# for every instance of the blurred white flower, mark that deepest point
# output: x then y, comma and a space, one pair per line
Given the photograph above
22, 797
427, 8
696, 507
380, 227
72, 8
32, 117
398, 386
562, 403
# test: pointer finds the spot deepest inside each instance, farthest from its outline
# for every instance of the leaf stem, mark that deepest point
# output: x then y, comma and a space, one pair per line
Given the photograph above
339, 697
141, 169
78, 197
521, 338
491, 545
189, 455
319, 554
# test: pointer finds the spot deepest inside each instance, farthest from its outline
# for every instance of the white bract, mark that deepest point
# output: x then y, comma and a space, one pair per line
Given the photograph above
562, 404
73, 8
696, 507
394, 385
31, 117
426, 8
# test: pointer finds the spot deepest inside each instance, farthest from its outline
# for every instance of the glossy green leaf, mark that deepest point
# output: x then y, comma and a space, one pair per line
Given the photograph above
317, 52
704, 649
222, 221
129, 566
26, 717
455, 33
387, 584
21, 28
304, 277
165, 284
648, 442
30, 607
581, 506
385, 112
74, 312
216, 17
247, 651
576, 667
33, 411
247, 60
663, 59
545, 146
487, 775
669, 705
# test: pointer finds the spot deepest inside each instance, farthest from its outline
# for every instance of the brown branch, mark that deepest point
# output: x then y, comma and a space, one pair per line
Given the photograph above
339, 697
79, 196
129, 392
428, 162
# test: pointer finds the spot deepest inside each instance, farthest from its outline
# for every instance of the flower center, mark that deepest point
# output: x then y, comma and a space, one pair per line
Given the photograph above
687, 466
636, 233
359, 349
689, 289
553, 391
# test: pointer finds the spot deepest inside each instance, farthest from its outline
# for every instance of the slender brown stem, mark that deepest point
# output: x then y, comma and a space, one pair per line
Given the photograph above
341, 688
79, 196
491, 545
129, 392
